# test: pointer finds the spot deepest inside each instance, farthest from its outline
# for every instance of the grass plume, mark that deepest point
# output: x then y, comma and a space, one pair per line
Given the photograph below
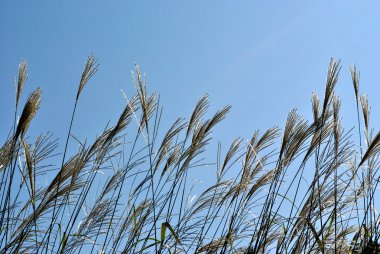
309, 188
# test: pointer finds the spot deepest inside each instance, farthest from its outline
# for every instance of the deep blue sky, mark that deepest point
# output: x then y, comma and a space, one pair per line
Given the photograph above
262, 57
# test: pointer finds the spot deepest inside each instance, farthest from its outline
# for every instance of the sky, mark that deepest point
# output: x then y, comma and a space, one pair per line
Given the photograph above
263, 58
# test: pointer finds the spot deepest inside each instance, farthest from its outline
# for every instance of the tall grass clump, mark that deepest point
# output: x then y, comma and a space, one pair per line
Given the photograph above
307, 187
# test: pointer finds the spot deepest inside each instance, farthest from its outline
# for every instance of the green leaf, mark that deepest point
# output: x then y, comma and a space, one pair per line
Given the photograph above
167, 225
330, 224
315, 234
163, 232
64, 242
148, 246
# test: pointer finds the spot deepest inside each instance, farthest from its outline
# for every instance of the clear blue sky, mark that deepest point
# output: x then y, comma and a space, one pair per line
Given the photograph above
262, 57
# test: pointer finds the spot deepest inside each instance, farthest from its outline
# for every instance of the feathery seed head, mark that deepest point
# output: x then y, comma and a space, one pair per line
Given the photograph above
22, 76
30, 109
90, 68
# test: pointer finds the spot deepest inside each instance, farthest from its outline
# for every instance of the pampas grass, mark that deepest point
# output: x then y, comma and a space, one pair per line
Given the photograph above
310, 188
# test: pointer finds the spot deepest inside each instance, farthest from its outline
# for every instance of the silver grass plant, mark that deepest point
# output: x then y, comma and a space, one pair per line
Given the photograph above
310, 188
